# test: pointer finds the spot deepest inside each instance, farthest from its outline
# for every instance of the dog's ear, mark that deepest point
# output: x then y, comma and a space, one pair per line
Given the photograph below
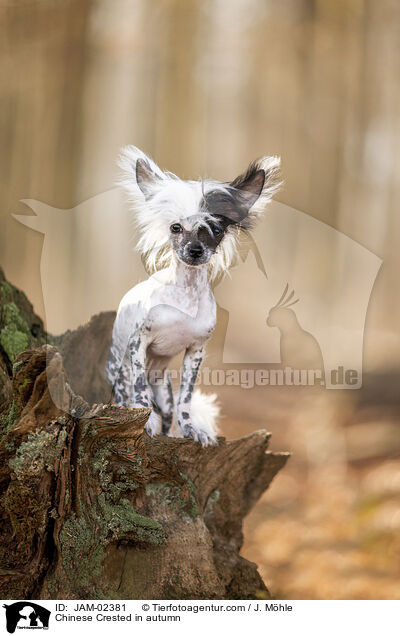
139, 170
254, 188
249, 185
145, 177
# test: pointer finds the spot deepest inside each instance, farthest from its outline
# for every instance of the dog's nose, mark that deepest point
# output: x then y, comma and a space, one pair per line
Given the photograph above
196, 251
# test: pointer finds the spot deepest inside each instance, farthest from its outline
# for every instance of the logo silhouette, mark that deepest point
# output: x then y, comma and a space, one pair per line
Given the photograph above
298, 347
334, 274
26, 615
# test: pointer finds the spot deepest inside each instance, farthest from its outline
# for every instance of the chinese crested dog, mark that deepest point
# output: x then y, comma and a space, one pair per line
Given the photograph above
188, 237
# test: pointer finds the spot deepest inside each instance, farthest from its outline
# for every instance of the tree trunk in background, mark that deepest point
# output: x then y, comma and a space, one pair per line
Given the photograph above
90, 506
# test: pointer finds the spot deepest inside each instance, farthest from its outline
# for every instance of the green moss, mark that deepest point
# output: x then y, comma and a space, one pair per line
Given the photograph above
52, 589
10, 316
172, 496
103, 470
9, 444
7, 420
14, 335
82, 553
123, 518
84, 539
13, 342
211, 501
193, 495
6, 292
100, 463
16, 366
12, 415
22, 385
136, 464
41, 450
16, 316
81, 456
4, 376
118, 488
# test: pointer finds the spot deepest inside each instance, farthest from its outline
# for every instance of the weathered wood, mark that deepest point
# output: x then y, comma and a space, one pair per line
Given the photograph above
91, 507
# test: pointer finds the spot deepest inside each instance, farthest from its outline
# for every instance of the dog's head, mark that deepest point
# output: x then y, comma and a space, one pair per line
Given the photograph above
195, 220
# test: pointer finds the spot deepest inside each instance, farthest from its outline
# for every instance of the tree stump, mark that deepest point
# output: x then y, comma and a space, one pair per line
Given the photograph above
91, 507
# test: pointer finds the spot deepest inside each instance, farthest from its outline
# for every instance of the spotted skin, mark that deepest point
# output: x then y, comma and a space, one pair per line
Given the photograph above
163, 401
172, 311
191, 365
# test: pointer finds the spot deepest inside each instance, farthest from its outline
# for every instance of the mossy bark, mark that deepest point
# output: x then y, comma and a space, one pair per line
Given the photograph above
91, 507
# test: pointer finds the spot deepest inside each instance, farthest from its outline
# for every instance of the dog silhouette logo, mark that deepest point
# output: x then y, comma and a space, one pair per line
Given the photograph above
26, 615
89, 262
299, 349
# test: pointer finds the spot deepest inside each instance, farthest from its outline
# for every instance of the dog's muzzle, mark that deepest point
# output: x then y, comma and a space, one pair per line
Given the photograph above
196, 251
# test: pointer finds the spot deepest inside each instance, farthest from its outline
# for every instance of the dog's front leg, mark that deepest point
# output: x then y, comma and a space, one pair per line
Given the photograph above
163, 400
141, 395
190, 426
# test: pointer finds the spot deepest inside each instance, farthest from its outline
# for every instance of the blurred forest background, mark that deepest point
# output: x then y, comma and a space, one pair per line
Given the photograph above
205, 86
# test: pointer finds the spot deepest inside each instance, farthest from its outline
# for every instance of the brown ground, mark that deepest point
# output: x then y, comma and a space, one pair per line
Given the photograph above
329, 526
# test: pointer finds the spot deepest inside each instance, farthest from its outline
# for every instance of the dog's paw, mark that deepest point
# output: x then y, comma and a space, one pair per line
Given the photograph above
153, 424
201, 434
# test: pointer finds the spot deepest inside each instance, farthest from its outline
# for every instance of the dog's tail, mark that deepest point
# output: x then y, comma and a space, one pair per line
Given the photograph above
204, 412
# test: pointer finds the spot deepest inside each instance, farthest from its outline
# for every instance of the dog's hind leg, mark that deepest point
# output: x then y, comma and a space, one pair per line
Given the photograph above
141, 393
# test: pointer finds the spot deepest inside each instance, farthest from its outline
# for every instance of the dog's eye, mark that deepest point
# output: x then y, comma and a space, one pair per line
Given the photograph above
216, 230
176, 228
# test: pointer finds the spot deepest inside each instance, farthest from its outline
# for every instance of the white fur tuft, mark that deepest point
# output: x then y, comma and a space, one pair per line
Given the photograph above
204, 412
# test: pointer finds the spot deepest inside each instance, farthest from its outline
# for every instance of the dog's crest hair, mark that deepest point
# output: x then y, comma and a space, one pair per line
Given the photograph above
164, 199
